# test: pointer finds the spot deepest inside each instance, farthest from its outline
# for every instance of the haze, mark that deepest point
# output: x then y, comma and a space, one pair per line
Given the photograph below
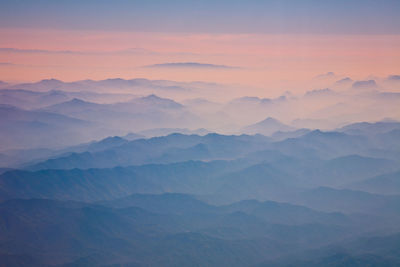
199, 133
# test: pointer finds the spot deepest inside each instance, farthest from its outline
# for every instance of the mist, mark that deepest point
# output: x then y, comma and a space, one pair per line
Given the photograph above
199, 133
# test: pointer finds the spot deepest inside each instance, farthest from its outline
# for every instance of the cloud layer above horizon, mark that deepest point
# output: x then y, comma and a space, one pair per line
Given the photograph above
274, 45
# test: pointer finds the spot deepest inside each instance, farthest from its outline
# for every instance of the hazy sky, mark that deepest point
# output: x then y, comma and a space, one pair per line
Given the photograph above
267, 43
206, 16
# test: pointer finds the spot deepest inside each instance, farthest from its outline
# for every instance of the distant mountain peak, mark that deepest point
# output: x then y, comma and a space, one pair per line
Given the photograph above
268, 126
153, 96
370, 128
250, 99
364, 84
114, 79
270, 119
154, 99
320, 92
329, 74
112, 139
393, 78
51, 81
344, 80
70, 105
77, 102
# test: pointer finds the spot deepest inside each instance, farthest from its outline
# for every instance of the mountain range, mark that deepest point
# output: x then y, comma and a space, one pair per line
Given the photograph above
142, 173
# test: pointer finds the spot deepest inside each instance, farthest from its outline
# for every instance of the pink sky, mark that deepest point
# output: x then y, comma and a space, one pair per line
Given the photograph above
265, 60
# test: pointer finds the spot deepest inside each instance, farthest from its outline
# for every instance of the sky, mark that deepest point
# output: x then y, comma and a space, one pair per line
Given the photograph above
267, 44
